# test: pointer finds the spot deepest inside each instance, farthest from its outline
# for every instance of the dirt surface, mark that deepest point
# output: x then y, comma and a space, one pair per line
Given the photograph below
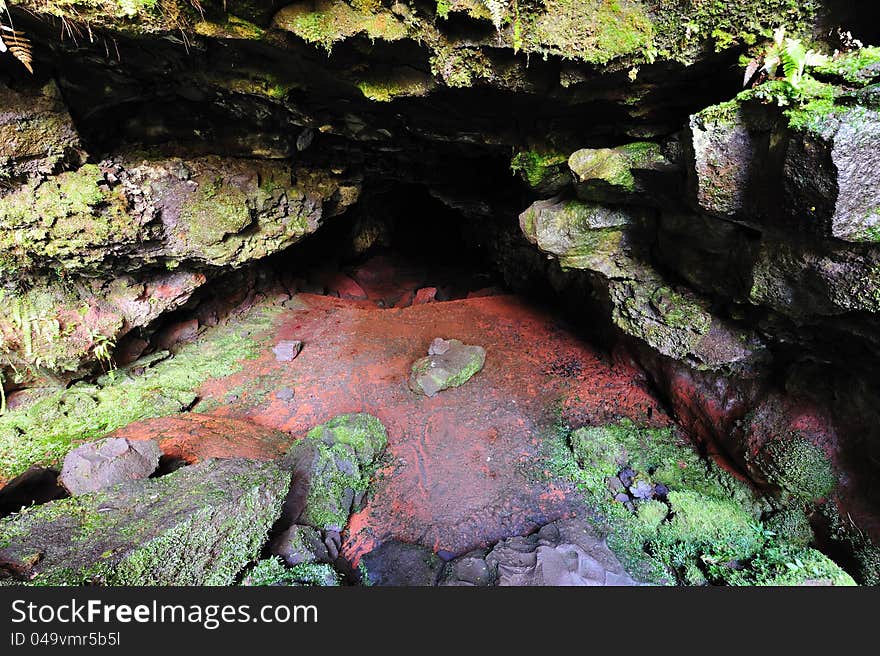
465, 468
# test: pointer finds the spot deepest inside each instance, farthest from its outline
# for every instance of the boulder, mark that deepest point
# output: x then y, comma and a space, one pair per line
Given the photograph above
626, 174
831, 176
200, 525
396, 563
564, 553
300, 544
453, 367
96, 465
332, 466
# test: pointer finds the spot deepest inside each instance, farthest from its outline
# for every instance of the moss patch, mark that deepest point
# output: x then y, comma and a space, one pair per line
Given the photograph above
68, 221
273, 571
538, 168
594, 31
330, 22
44, 432
702, 524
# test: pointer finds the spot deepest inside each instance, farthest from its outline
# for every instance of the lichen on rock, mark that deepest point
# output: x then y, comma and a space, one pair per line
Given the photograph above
198, 526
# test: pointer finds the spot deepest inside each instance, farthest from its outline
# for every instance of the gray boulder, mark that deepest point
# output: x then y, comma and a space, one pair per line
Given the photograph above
564, 553
96, 465
831, 176
200, 525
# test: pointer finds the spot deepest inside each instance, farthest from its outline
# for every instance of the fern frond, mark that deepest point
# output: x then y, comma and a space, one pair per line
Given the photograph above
18, 45
497, 8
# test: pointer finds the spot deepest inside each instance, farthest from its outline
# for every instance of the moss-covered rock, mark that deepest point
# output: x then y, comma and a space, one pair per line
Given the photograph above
702, 524
271, 571
333, 465
331, 21
451, 366
198, 526
37, 135
544, 171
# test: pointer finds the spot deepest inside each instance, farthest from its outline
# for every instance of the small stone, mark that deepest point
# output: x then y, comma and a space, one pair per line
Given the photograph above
614, 485
626, 476
285, 394
425, 295
287, 350
660, 490
622, 497
300, 544
642, 489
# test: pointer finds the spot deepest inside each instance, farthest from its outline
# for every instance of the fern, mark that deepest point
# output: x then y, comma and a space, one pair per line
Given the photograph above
498, 9
18, 46
15, 42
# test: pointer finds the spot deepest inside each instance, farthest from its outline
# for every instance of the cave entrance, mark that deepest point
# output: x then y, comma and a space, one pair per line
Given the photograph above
400, 244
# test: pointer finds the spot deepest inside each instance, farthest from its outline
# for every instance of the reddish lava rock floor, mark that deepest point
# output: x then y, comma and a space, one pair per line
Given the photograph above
465, 468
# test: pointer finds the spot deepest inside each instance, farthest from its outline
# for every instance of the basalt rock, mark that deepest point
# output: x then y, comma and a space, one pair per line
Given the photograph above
564, 553
100, 464
331, 470
198, 526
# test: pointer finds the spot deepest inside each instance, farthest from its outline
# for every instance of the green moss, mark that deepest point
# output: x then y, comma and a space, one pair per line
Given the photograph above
356, 440
460, 66
799, 467
714, 529
538, 168
331, 22
683, 26
594, 31
858, 67
273, 571
44, 432
395, 86
708, 528
214, 211
232, 28
133, 15
791, 526
68, 220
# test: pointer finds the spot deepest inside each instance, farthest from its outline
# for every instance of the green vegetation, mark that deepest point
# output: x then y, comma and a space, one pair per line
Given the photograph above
335, 21
67, 221
706, 528
538, 168
44, 432
356, 440
387, 89
594, 31
799, 467
273, 571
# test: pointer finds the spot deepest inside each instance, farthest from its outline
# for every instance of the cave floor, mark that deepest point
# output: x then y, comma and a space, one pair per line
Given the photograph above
465, 468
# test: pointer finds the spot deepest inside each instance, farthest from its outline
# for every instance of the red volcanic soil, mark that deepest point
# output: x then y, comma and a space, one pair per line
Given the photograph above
465, 468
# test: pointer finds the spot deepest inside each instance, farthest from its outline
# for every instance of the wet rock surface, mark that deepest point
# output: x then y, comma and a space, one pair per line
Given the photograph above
100, 464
